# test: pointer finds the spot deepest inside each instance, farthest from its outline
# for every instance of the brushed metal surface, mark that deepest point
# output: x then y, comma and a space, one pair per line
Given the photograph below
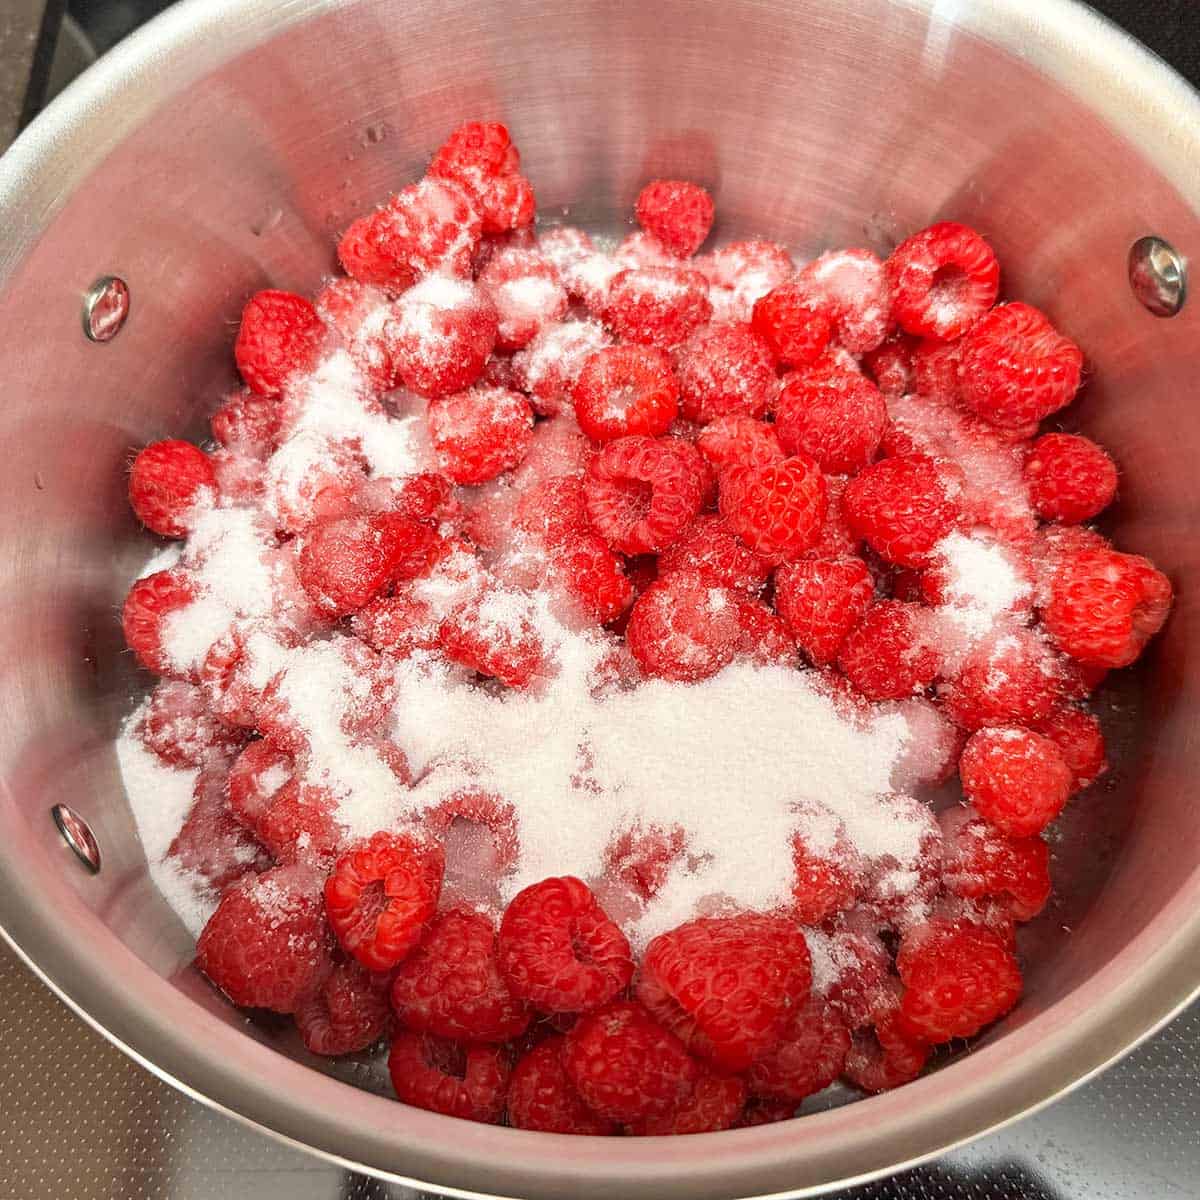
819, 123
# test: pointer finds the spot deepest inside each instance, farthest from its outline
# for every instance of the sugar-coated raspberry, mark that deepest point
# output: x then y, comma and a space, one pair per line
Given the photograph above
936, 368
548, 368
527, 293
725, 370
740, 274
657, 306
240, 478
592, 578
795, 324
496, 636
151, 601
942, 280
902, 507
1069, 477
346, 1014
397, 626
709, 548
642, 856
890, 364
280, 335
299, 824
1012, 677
1080, 740
808, 1059
255, 778
887, 656
552, 511
679, 214
211, 844
480, 157
312, 476
1017, 779
716, 1103
884, 1056
541, 1096
224, 677
980, 862
427, 496
762, 635
739, 441
726, 985
682, 628
565, 246
822, 600
484, 810
465, 1081
382, 894
642, 249
359, 314
248, 423
778, 509
958, 977
179, 727
852, 287
627, 1067
862, 964
827, 875
834, 414
480, 433
626, 390
267, 945
166, 482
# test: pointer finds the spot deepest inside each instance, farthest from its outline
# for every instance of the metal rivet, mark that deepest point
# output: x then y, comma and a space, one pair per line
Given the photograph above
1158, 276
78, 835
105, 308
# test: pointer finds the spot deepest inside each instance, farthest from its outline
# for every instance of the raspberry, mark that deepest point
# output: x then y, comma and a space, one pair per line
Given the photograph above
1079, 739
683, 629
496, 636
1070, 478
359, 314
167, 480
958, 977
677, 213
255, 779
309, 478
851, 287
741, 273
528, 294
942, 280
884, 1057
240, 479
935, 368
299, 824
280, 335
481, 433
1017, 780
726, 985
247, 423
267, 945
484, 810
177, 725
211, 843
808, 1059
822, 600
794, 324
469, 1082
565, 246
887, 656
346, 1014
777, 510
1010, 678
739, 441
763, 637
381, 894
657, 306
593, 578
626, 390
863, 965
1017, 369
559, 950
980, 862
451, 985
642, 249
710, 549
642, 857
480, 157
397, 626
828, 872
836, 540
224, 677
541, 1097
552, 511
427, 496
833, 414
716, 1103
891, 364
150, 603
548, 368
626, 1067
642, 492
902, 507
725, 370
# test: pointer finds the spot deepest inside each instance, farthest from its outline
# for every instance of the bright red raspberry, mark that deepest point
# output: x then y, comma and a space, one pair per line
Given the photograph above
541, 1097
795, 324
891, 364
1012, 677
179, 727
1017, 369
397, 626
359, 314
716, 1103
346, 1014
808, 1059
559, 950
480, 433
739, 441
552, 511
777, 510
980, 862
887, 656
456, 1080
592, 576
548, 368
657, 306
627, 1067
166, 482
836, 539
862, 963
678, 213
763, 637
958, 977
150, 603
643, 855
709, 548
247, 423
317, 477
822, 600
828, 870
480, 157
935, 369
942, 280
527, 292
683, 628
267, 944
1078, 736
725, 370
255, 779
451, 985
381, 895
832, 413
741, 273
280, 335
726, 985
626, 390
495, 635
1017, 780
1070, 478
299, 824
642, 249
852, 288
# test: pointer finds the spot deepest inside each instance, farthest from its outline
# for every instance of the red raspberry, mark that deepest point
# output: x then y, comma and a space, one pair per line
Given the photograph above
942, 281
553, 511
225, 679
887, 656
541, 1097
481, 433
166, 482
979, 862
565, 246
1017, 369
483, 810
427, 496
862, 963
1070, 478
710, 549
255, 779
678, 213
851, 286
828, 870
682, 628
642, 857
642, 249
657, 306
891, 364
1016, 779
280, 335
626, 390
176, 724
795, 325
548, 368
299, 824
642, 492
739, 441
451, 985
808, 1059
381, 895
150, 603
935, 368
822, 600
1010, 678
480, 157
902, 507
240, 479
833, 414
716, 1103
884, 1057
465, 1081
211, 843
958, 977
1080, 741
763, 637
741, 273
725, 370
397, 626
776, 510
346, 1014
559, 950
726, 985
496, 636
592, 577
267, 945
764, 1112
247, 423
626, 1067
359, 313
528, 294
